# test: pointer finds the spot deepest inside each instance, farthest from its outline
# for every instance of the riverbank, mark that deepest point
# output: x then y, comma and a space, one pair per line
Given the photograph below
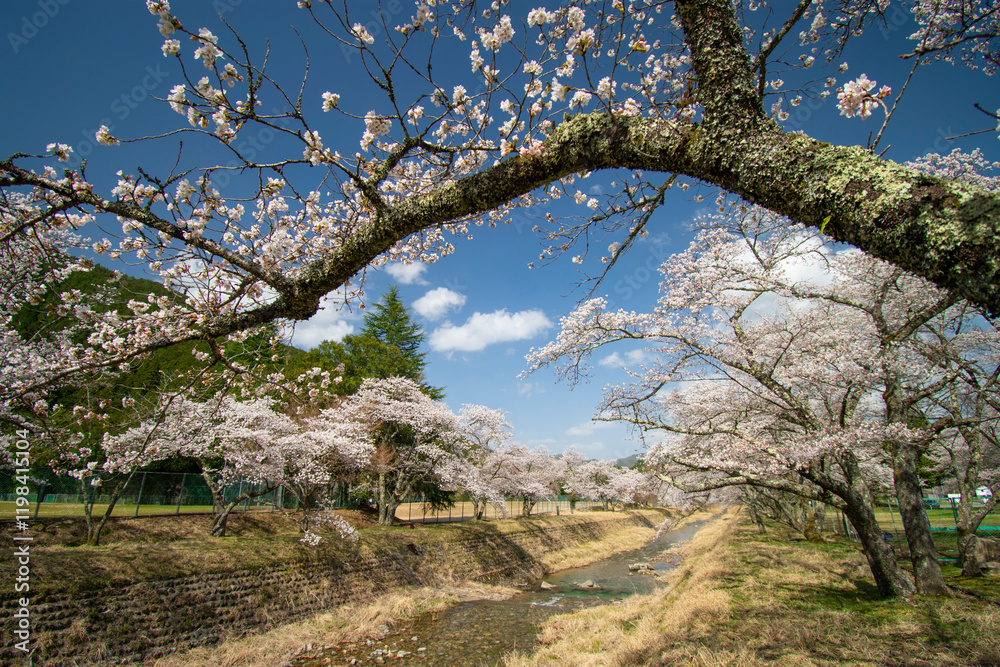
148, 593
742, 599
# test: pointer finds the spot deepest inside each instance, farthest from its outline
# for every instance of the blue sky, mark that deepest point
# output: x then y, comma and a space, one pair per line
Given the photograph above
71, 65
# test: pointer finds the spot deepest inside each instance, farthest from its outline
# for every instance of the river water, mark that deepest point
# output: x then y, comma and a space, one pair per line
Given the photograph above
479, 632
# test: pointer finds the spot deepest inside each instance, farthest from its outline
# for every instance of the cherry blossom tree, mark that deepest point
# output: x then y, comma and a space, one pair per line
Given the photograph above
489, 433
226, 437
530, 475
965, 347
874, 342
770, 394
631, 487
248, 441
595, 480
669, 94
414, 439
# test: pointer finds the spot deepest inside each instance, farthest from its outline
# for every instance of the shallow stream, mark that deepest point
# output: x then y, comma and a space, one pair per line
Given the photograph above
479, 632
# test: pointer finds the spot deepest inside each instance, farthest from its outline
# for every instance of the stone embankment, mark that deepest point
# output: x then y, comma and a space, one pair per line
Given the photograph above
115, 619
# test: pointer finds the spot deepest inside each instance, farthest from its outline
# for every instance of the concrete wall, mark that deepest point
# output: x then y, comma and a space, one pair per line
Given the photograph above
152, 618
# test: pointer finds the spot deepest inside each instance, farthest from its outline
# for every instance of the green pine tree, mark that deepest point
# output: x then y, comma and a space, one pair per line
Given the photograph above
391, 324
387, 346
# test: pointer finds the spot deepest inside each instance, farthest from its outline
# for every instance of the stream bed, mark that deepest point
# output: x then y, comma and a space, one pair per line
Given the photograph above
480, 632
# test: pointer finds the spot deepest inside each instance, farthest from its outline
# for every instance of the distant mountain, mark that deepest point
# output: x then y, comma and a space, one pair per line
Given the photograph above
628, 461
159, 369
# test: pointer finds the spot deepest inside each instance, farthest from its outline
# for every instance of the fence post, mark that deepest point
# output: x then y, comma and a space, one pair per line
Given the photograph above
893, 516
138, 499
180, 494
39, 497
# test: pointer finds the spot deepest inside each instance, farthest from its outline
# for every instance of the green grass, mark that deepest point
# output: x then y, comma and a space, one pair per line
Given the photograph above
53, 510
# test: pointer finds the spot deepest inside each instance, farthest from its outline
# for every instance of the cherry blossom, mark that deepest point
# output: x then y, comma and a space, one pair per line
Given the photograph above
669, 95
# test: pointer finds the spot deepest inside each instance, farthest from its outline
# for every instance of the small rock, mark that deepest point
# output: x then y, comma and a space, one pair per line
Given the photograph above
383, 631
413, 638
546, 586
422, 648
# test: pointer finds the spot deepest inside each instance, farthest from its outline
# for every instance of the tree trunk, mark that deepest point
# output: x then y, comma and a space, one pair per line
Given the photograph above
222, 517
910, 498
526, 506
479, 508
94, 532
387, 501
966, 529
889, 579
387, 512
221, 520
755, 516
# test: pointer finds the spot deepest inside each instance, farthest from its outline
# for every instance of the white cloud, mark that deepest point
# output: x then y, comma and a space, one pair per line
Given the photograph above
407, 274
436, 303
529, 389
593, 450
483, 329
329, 323
587, 428
632, 358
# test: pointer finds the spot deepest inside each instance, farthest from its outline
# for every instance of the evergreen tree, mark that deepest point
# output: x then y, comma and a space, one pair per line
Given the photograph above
391, 323
387, 346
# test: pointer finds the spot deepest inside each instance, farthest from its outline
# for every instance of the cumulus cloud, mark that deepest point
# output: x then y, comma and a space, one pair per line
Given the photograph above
407, 274
436, 303
631, 358
483, 329
329, 323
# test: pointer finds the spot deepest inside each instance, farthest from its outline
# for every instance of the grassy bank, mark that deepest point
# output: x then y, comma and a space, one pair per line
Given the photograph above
168, 576
743, 599
355, 623
158, 548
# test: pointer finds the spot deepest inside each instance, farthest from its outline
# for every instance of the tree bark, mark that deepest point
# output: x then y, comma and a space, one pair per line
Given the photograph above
916, 525
889, 579
387, 500
942, 230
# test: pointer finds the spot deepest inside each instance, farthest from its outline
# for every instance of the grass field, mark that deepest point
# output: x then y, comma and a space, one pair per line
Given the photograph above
405, 512
742, 599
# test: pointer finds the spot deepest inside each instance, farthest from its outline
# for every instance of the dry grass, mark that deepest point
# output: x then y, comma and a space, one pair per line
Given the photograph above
743, 599
626, 540
621, 634
346, 624
143, 549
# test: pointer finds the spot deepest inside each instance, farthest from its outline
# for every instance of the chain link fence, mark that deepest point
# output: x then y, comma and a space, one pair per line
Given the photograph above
941, 512
144, 494
173, 493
